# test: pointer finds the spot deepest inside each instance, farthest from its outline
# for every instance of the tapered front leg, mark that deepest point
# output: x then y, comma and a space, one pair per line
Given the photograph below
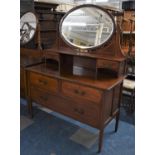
117, 122
100, 140
30, 108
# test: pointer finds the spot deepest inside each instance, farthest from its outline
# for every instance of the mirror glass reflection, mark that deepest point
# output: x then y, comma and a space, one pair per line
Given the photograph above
87, 27
28, 24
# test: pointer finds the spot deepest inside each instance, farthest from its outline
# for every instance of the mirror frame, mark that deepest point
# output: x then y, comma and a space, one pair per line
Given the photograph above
82, 6
37, 21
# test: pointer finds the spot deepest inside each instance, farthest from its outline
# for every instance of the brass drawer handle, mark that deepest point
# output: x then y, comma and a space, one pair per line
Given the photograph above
43, 81
82, 93
76, 91
45, 98
79, 111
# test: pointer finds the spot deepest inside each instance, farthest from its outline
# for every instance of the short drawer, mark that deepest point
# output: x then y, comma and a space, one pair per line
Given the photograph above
44, 82
84, 112
107, 64
81, 92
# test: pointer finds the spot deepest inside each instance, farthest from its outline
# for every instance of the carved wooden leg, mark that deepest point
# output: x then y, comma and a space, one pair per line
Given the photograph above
100, 140
117, 121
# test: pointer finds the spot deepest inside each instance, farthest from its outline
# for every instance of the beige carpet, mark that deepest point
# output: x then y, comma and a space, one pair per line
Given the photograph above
84, 137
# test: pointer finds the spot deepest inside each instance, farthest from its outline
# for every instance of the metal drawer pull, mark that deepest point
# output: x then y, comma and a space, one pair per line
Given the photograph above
79, 92
76, 91
43, 81
80, 111
82, 93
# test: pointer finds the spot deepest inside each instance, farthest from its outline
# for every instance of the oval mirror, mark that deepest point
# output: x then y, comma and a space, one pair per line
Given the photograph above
28, 25
87, 27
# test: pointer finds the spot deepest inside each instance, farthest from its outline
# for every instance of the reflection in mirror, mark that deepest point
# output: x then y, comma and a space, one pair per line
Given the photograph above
87, 27
28, 24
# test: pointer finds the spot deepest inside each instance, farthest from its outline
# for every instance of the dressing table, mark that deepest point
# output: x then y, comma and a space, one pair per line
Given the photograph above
82, 75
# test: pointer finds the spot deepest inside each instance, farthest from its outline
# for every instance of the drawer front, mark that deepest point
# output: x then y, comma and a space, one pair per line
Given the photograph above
84, 112
44, 82
107, 64
81, 92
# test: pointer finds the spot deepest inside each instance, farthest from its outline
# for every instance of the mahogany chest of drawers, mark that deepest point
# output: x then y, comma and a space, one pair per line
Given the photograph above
94, 102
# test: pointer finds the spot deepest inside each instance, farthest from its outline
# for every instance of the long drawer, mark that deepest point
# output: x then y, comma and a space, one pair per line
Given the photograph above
44, 82
81, 92
84, 112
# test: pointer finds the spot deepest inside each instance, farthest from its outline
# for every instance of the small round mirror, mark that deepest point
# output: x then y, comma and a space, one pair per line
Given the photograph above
87, 27
28, 25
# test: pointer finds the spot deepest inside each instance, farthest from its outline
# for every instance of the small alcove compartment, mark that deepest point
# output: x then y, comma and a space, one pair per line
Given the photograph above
66, 64
84, 66
77, 65
52, 64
